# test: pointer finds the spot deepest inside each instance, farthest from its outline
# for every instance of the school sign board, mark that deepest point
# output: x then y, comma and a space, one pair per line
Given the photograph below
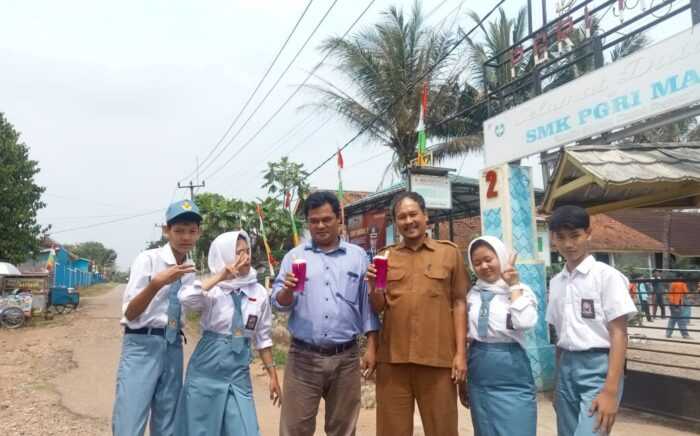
655, 80
435, 189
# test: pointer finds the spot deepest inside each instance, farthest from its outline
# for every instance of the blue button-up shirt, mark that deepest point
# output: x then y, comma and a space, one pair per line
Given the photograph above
334, 306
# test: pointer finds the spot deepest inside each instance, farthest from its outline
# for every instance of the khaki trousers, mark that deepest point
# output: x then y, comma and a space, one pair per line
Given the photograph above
308, 377
400, 386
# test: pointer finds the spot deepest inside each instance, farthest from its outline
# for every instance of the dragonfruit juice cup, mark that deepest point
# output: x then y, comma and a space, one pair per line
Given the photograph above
381, 264
299, 271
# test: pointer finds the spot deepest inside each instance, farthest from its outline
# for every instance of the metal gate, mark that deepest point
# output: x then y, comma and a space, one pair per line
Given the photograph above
663, 353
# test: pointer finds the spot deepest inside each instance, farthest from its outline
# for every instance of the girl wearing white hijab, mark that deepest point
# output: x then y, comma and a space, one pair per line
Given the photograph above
217, 397
501, 389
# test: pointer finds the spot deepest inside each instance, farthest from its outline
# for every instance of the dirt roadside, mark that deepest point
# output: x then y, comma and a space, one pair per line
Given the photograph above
58, 379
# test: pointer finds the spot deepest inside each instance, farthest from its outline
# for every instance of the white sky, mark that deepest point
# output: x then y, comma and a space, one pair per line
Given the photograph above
116, 101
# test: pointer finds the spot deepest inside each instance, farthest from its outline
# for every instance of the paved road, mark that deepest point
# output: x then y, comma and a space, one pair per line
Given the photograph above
58, 379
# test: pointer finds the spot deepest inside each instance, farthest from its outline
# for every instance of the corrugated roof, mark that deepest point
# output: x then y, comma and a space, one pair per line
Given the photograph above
608, 177
659, 162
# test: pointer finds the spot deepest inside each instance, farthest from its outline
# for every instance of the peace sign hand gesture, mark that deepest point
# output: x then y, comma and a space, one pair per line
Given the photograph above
509, 273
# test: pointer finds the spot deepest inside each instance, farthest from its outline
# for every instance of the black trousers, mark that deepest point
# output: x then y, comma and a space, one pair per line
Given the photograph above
645, 309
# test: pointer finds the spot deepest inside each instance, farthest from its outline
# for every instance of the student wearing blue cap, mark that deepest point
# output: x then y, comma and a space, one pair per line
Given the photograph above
149, 377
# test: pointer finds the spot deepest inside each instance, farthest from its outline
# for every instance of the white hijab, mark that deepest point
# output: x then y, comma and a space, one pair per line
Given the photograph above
222, 252
503, 254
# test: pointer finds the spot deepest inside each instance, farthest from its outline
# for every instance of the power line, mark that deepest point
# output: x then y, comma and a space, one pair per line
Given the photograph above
294, 129
83, 217
293, 94
250, 116
286, 152
368, 159
103, 223
83, 200
410, 88
276, 146
257, 87
191, 187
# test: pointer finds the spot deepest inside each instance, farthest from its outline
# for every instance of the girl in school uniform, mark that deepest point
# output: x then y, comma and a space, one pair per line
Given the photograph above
501, 389
217, 397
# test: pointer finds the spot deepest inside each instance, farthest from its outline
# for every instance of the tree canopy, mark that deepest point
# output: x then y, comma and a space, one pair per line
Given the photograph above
21, 197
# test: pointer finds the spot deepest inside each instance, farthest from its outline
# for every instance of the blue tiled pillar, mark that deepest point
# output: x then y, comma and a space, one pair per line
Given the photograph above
508, 212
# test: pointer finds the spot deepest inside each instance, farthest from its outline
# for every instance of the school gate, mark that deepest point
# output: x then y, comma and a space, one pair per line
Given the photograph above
536, 108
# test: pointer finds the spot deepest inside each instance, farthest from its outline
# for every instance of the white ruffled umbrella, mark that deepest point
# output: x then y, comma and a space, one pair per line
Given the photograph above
7, 269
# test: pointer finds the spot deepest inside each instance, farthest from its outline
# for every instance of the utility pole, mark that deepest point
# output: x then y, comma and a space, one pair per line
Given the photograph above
191, 187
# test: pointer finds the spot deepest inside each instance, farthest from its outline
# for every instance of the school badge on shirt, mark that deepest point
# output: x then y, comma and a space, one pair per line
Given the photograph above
587, 308
252, 322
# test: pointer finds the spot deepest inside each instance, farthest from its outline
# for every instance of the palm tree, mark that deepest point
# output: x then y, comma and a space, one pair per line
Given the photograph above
384, 66
499, 35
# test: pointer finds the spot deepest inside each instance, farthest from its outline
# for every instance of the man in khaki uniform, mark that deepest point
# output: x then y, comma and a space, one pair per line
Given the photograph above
421, 354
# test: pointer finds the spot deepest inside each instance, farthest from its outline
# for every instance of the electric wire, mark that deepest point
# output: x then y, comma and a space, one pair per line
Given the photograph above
295, 92
257, 87
269, 92
410, 88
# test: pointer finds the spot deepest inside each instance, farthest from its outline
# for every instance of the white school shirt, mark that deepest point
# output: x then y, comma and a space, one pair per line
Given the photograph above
584, 301
146, 265
522, 312
217, 308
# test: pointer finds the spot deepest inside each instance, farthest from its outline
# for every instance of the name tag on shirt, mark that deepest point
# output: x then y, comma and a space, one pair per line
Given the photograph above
587, 308
509, 322
252, 322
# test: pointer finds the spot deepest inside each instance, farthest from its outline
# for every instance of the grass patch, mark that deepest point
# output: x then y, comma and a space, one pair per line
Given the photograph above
279, 356
97, 290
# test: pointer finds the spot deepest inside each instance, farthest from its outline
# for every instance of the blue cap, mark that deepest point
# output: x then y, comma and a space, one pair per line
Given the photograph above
183, 208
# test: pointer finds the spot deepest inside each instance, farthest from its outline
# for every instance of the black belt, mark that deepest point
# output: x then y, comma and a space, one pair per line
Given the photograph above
330, 350
591, 350
158, 331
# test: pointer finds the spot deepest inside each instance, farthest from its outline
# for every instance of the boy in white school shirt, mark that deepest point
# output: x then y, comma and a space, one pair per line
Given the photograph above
149, 377
589, 305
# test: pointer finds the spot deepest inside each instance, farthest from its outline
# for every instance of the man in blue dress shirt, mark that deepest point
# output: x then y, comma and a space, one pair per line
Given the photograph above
325, 320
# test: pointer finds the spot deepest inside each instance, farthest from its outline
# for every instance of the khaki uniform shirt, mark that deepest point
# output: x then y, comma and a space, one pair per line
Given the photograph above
422, 286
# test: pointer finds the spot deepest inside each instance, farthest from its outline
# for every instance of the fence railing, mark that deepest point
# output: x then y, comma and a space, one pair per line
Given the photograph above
651, 348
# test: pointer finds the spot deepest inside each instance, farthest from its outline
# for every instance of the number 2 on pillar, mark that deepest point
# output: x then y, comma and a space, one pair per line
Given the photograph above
491, 178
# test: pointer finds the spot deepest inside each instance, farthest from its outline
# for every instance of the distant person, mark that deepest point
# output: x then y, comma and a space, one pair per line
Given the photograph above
676, 303
325, 321
149, 377
217, 398
501, 389
636, 320
659, 294
643, 297
589, 305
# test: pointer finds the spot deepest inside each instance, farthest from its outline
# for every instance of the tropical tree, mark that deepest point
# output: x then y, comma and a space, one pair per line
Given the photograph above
96, 251
221, 214
498, 35
21, 197
385, 67
286, 176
